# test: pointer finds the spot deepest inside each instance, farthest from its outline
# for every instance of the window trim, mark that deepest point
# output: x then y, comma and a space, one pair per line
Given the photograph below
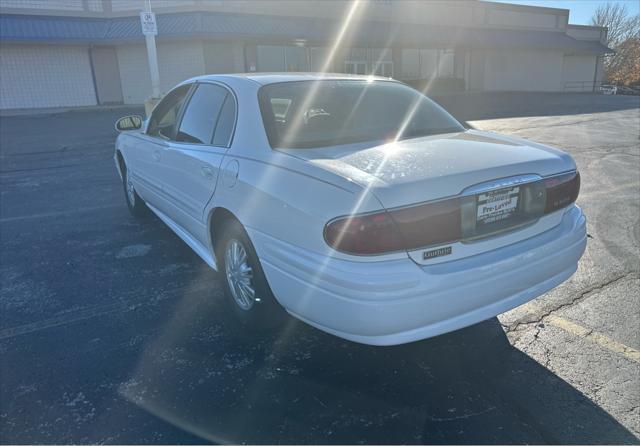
194, 87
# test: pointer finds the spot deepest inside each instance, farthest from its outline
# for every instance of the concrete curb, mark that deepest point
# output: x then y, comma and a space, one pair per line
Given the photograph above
58, 110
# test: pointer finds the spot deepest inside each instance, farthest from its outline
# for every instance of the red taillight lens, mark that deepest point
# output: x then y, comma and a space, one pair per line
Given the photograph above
445, 221
562, 190
364, 234
400, 229
430, 223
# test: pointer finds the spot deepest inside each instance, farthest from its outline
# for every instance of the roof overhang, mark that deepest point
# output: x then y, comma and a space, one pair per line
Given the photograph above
26, 28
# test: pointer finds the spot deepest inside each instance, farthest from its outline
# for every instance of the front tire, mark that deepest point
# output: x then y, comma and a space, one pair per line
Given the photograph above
245, 285
136, 205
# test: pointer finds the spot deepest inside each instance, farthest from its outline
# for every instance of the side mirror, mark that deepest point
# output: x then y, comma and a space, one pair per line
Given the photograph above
131, 122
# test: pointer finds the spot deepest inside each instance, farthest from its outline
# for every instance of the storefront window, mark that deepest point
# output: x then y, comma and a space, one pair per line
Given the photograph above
363, 61
384, 69
282, 58
351, 67
296, 59
318, 60
270, 58
427, 63
410, 64
445, 63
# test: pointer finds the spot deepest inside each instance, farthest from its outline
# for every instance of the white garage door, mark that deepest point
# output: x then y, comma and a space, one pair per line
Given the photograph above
578, 72
177, 61
45, 76
523, 70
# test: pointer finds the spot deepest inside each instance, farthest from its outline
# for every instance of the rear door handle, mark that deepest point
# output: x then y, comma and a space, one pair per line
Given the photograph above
207, 172
156, 155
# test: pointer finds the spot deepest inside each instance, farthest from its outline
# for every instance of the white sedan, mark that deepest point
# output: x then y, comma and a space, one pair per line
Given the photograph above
355, 203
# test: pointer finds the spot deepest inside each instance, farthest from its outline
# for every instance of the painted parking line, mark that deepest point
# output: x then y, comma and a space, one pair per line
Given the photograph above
594, 336
588, 334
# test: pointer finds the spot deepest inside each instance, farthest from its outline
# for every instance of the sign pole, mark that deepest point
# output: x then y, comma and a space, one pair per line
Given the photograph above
150, 30
153, 65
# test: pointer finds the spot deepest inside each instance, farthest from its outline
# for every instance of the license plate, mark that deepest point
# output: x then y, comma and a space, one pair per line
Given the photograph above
497, 205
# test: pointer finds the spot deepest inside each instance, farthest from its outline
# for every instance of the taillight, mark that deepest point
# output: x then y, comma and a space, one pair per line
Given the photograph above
364, 234
399, 229
429, 223
446, 221
562, 190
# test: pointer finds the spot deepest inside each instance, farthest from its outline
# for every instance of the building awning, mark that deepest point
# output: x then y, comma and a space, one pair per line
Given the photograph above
498, 38
257, 27
43, 28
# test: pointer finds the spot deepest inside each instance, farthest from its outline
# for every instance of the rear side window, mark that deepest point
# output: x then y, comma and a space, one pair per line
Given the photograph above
201, 115
226, 122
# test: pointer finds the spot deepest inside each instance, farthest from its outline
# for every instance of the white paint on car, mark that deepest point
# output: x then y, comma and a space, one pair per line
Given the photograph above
285, 198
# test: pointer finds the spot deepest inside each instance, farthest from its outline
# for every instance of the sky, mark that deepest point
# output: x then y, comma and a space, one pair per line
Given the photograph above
581, 10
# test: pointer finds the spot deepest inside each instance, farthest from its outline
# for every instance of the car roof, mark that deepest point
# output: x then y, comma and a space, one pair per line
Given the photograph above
272, 78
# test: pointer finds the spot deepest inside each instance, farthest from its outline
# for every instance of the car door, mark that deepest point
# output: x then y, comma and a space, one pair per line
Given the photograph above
151, 147
192, 161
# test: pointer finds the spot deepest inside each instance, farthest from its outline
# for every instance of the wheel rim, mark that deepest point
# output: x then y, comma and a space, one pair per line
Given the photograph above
131, 193
239, 275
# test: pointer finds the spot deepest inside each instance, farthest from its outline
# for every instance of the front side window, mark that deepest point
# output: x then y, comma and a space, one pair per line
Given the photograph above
201, 115
310, 114
164, 119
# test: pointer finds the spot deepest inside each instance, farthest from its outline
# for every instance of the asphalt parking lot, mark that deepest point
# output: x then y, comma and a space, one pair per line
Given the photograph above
113, 331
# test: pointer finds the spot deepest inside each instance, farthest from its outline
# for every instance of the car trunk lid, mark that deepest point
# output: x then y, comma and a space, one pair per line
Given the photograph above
446, 188
434, 167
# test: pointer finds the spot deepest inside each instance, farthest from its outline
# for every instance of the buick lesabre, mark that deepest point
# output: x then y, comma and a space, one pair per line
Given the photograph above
354, 203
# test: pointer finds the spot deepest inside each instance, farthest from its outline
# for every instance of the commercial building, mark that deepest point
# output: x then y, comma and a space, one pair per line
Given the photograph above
60, 53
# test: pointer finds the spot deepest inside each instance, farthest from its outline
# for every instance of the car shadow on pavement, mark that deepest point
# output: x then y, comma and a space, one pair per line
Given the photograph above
159, 345
203, 374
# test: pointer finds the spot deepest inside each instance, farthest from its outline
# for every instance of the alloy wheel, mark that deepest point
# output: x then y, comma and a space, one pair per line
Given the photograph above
131, 192
239, 274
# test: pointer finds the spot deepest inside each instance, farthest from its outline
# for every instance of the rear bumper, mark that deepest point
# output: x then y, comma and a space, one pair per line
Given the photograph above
398, 301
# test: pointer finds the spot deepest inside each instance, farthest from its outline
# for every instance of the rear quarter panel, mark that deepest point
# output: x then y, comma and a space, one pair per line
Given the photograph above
278, 195
276, 200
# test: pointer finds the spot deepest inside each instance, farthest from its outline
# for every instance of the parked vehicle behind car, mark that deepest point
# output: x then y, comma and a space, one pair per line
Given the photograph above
355, 203
633, 91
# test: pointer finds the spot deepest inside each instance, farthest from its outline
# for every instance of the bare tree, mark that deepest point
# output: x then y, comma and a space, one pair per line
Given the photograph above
620, 24
623, 35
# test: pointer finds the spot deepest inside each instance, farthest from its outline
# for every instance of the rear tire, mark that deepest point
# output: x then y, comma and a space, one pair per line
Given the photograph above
245, 285
136, 205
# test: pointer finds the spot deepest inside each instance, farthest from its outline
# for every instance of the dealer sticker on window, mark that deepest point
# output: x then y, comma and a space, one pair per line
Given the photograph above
497, 205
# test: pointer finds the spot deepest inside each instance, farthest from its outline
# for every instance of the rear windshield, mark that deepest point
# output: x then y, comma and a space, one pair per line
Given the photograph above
310, 114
